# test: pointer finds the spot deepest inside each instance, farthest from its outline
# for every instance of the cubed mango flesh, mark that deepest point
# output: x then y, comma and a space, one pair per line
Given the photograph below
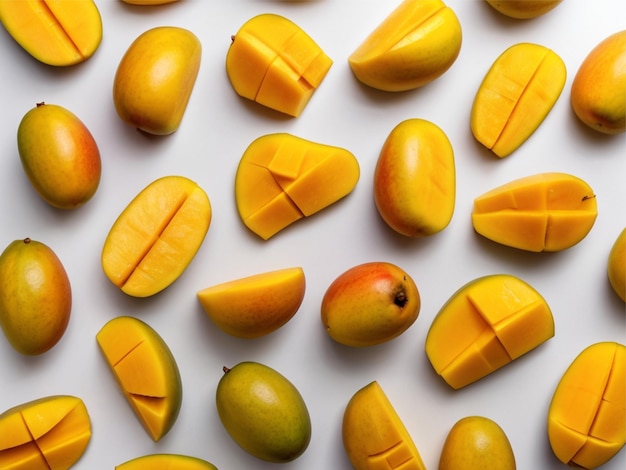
166, 461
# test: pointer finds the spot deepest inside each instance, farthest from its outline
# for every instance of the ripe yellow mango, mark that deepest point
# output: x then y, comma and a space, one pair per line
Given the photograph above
415, 179
374, 436
145, 371
485, 325
148, 2
542, 212
49, 433
282, 178
256, 305
166, 461
414, 45
156, 236
616, 265
155, 78
587, 414
275, 63
515, 96
55, 32
523, 9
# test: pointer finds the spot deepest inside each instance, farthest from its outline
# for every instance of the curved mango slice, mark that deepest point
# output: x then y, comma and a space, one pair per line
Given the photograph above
374, 436
166, 461
272, 61
516, 95
542, 212
587, 415
50, 433
282, 178
156, 236
486, 324
55, 32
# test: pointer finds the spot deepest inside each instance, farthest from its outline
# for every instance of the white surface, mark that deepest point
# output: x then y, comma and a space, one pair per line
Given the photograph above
216, 129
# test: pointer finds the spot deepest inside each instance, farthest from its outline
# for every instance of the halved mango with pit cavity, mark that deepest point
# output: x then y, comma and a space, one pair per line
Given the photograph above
166, 461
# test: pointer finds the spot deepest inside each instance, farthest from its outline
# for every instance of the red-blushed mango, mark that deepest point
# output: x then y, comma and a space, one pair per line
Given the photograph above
50, 433
486, 324
166, 461
523, 9
587, 414
616, 265
275, 63
542, 212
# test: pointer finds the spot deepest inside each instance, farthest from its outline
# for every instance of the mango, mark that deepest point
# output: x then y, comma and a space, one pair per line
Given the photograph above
486, 324
145, 370
587, 414
415, 179
373, 434
616, 265
263, 412
59, 155
256, 305
541, 212
275, 63
155, 79
148, 2
166, 461
35, 296
598, 93
414, 45
476, 443
156, 236
515, 96
370, 304
55, 32
523, 9
282, 178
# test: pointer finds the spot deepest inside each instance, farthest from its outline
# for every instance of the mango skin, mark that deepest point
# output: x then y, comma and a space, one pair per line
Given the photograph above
59, 155
148, 2
415, 179
598, 93
166, 461
263, 412
154, 80
523, 9
35, 296
616, 265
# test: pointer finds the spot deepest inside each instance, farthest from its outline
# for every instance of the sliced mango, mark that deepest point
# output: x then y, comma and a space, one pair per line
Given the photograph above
145, 370
542, 212
485, 325
166, 461
282, 178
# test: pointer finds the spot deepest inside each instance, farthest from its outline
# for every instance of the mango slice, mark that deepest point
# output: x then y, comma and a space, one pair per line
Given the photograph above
166, 461
485, 325
516, 95
145, 370
273, 62
282, 178
374, 436
55, 32
542, 212
587, 414
156, 236
49, 433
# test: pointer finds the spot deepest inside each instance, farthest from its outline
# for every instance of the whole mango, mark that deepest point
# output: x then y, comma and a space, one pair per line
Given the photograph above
616, 268
523, 9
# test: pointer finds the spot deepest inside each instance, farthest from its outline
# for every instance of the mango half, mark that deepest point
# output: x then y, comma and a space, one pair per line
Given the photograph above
166, 461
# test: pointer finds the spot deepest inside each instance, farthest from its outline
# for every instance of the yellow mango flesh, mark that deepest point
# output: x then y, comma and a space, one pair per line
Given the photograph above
616, 266
166, 461
485, 325
145, 370
55, 32
516, 95
49, 433
282, 178
256, 305
156, 236
414, 45
523, 9
374, 436
542, 212
587, 414
272, 61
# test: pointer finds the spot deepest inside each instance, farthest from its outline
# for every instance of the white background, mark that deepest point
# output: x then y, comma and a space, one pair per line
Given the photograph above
216, 129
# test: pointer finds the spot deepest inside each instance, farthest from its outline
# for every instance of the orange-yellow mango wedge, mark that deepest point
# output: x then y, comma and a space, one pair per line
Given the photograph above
166, 461
49, 433
516, 95
485, 325
55, 32
145, 370
282, 178
542, 212
156, 236
374, 436
587, 414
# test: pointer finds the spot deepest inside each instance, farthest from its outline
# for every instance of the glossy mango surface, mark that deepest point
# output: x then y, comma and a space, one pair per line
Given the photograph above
523, 9
166, 462
616, 265
282, 178
486, 324
587, 414
542, 212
